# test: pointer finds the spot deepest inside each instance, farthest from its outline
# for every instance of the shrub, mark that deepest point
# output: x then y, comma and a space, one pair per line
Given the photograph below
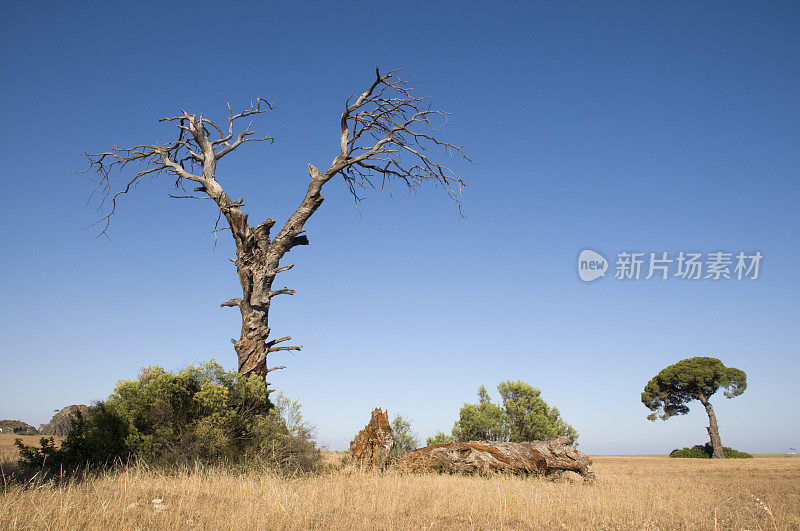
201, 414
439, 438
523, 416
97, 438
706, 451
404, 439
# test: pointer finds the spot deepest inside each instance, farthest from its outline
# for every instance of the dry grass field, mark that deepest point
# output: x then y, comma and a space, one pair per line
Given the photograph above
9, 452
631, 493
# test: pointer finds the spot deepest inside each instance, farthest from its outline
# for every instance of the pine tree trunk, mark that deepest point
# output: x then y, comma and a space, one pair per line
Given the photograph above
713, 430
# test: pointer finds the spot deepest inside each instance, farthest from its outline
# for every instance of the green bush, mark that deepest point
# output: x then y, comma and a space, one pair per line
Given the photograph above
523, 416
706, 451
404, 439
439, 438
201, 414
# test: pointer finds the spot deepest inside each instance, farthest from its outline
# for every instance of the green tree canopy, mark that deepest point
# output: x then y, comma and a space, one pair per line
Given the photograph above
523, 416
698, 378
531, 419
484, 421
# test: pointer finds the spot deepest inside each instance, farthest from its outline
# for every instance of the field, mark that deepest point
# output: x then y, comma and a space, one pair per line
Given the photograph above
632, 492
9, 452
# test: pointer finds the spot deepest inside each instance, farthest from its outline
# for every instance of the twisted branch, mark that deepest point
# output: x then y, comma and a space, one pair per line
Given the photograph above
388, 132
192, 157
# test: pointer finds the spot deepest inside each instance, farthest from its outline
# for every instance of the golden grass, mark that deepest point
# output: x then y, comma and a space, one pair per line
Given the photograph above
631, 492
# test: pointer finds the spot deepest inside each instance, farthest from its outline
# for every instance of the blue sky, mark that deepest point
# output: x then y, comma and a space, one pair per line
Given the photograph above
659, 126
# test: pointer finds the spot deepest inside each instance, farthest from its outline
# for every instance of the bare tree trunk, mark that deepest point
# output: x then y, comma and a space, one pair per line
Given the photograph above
257, 264
713, 429
251, 347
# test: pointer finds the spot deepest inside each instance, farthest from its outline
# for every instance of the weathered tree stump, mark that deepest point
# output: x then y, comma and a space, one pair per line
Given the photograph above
371, 447
535, 457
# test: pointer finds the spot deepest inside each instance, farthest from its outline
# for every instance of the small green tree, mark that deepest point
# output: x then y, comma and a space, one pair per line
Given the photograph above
405, 439
439, 438
530, 418
484, 421
693, 379
523, 416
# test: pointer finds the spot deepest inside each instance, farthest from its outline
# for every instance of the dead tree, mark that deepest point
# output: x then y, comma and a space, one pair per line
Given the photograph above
387, 134
530, 457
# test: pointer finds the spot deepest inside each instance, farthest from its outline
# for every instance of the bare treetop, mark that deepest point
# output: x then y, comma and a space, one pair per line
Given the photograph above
186, 158
386, 133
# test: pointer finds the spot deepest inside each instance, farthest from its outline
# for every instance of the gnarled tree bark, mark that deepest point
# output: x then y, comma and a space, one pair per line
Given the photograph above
533, 457
380, 136
370, 448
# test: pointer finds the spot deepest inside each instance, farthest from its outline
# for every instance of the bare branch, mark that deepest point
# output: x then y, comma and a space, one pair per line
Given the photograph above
231, 303
261, 107
188, 197
276, 349
396, 123
284, 291
386, 132
279, 340
192, 156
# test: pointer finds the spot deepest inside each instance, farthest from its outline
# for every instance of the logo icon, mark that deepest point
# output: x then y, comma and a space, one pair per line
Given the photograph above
591, 265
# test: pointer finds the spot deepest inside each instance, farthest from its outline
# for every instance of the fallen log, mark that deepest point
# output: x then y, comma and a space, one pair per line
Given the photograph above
534, 457
371, 447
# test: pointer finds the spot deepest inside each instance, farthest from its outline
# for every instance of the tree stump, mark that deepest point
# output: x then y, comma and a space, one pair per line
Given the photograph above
534, 457
371, 447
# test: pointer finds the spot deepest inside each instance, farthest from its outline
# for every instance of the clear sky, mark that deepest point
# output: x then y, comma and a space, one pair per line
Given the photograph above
639, 126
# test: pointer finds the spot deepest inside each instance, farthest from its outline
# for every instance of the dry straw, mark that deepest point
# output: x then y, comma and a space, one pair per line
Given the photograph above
631, 493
